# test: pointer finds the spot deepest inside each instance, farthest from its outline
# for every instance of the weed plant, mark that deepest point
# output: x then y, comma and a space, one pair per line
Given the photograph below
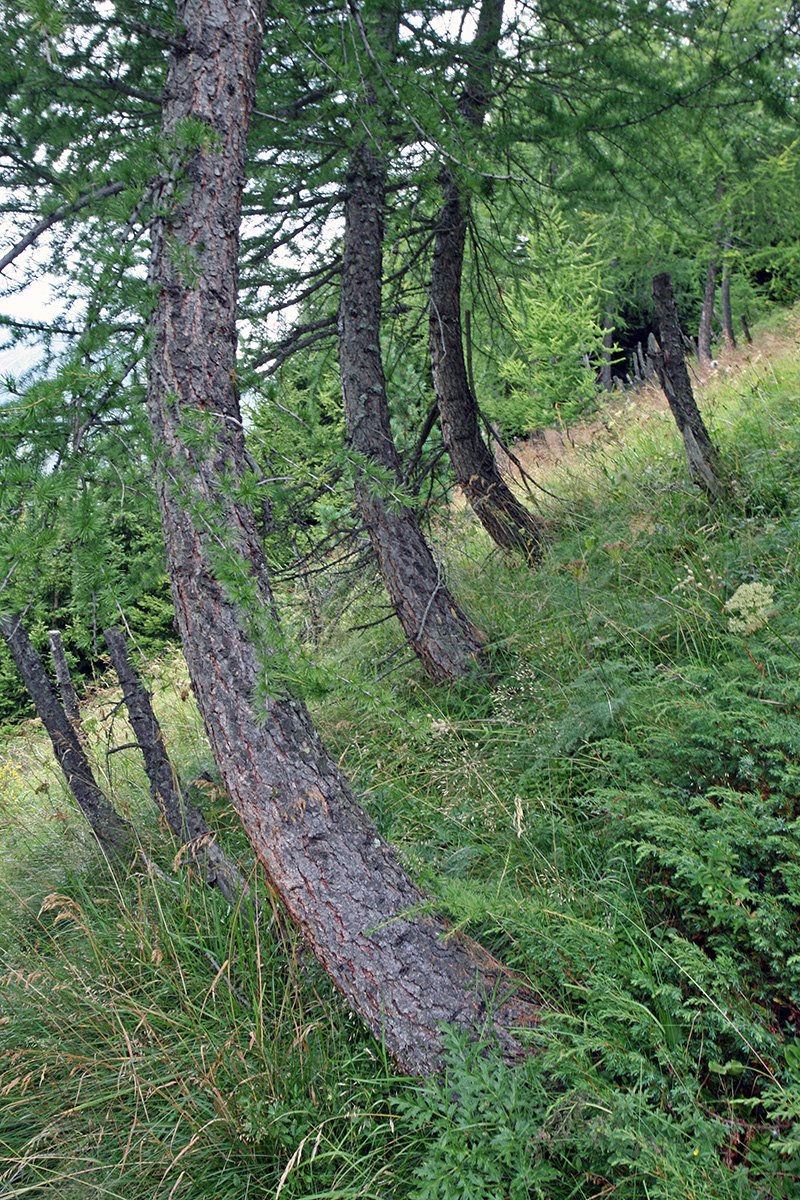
615, 812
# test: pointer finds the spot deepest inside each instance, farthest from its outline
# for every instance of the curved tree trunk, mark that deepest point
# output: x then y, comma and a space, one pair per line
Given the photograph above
507, 521
674, 378
185, 820
439, 632
340, 881
111, 830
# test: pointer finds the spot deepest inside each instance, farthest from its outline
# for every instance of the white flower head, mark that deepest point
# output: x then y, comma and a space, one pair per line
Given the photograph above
749, 607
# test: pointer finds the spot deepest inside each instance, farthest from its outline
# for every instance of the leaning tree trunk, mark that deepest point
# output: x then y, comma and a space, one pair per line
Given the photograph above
184, 819
507, 521
113, 833
707, 314
66, 687
674, 378
439, 632
342, 884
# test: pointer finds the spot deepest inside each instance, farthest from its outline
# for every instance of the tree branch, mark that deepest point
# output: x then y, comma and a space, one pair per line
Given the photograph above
58, 214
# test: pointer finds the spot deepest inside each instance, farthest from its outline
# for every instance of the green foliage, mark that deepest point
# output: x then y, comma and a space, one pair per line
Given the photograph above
557, 330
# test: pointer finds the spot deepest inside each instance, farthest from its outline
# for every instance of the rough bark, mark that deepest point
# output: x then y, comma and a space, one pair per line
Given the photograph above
339, 880
66, 687
112, 832
507, 521
707, 313
674, 378
441, 635
185, 820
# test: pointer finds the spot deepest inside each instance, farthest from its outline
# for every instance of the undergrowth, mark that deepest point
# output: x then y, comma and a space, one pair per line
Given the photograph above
615, 813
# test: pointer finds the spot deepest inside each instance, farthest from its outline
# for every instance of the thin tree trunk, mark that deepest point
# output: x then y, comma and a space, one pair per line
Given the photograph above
185, 820
725, 301
66, 687
746, 328
340, 881
113, 833
674, 378
707, 313
440, 634
606, 374
507, 521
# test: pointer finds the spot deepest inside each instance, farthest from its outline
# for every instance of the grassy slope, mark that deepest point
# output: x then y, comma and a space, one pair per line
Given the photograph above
615, 814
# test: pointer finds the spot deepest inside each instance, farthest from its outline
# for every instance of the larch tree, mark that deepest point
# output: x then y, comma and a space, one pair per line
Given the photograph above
439, 632
342, 884
506, 520
674, 378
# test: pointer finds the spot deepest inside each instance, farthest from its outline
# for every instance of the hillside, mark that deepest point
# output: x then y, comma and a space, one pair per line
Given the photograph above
615, 814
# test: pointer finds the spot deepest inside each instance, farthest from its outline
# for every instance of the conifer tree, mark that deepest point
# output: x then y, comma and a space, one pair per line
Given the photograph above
341, 883
505, 519
440, 634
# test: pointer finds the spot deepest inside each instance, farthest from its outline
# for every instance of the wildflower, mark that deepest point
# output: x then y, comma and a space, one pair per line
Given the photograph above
688, 580
749, 606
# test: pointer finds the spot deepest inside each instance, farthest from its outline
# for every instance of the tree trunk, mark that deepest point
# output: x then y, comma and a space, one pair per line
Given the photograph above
507, 521
440, 634
340, 881
112, 832
746, 327
65, 685
707, 314
186, 822
606, 373
674, 378
725, 301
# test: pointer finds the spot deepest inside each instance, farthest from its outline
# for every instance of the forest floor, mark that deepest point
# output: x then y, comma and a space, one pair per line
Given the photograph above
615, 813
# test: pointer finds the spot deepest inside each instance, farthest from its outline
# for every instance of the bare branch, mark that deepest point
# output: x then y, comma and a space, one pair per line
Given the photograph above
59, 214
300, 338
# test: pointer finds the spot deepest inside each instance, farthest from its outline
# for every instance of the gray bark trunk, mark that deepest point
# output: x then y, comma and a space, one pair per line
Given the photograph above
725, 302
185, 820
66, 687
113, 833
674, 378
507, 521
339, 880
707, 314
441, 635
